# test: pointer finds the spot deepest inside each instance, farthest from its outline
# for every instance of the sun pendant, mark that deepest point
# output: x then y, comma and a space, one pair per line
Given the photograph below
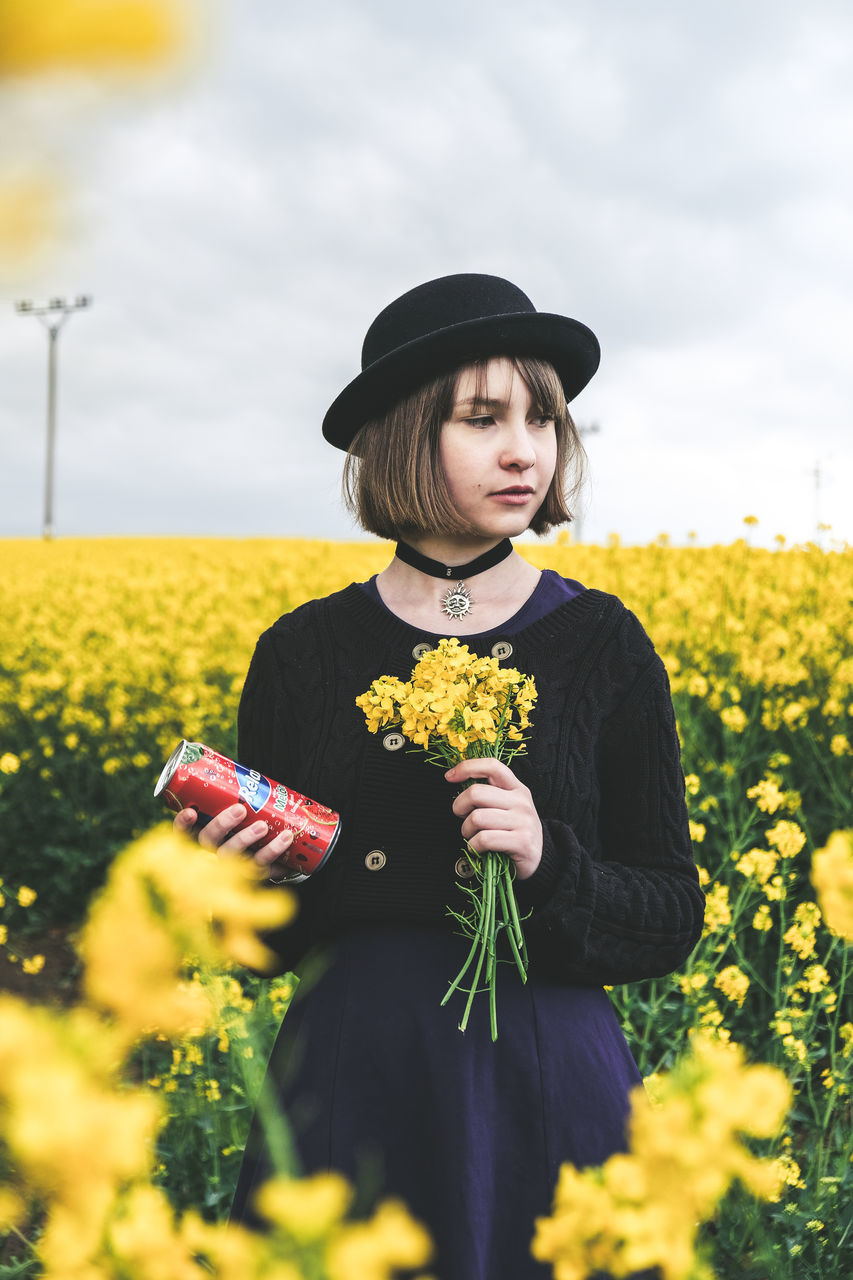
457, 602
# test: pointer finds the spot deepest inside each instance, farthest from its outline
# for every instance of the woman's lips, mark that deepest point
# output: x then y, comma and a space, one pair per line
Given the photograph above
515, 497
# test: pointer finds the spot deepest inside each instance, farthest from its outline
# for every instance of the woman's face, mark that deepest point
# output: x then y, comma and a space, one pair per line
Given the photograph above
497, 451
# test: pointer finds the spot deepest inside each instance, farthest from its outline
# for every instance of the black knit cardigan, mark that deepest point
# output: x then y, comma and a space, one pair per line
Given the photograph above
616, 897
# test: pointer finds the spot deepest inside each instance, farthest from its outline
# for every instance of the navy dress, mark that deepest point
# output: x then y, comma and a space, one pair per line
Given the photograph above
377, 1082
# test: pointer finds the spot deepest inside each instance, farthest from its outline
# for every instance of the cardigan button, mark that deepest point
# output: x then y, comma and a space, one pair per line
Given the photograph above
502, 649
375, 860
393, 741
420, 649
464, 869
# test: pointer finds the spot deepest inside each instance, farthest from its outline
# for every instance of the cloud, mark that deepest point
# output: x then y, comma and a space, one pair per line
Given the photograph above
674, 176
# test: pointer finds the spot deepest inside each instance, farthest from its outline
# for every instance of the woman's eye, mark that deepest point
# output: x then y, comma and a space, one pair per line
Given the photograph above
484, 421
543, 420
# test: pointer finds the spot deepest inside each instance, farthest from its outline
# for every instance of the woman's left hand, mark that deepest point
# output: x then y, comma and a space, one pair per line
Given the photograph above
499, 813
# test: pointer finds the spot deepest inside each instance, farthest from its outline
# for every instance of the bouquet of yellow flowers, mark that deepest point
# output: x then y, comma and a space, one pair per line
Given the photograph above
458, 706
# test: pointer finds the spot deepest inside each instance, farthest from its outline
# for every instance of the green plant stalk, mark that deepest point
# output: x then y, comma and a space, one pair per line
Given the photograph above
477, 935
482, 941
497, 911
514, 931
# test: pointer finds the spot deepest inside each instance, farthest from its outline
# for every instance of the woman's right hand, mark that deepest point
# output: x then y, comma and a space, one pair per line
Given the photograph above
219, 834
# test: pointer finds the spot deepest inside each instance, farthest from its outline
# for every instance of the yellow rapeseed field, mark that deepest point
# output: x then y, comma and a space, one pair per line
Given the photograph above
113, 650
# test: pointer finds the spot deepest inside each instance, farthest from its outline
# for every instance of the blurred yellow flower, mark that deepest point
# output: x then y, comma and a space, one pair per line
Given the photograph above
734, 718
94, 33
832, 876
162, 897
767, 795
375, 1249
307, 1208
9, 763
788, 838
644, 1209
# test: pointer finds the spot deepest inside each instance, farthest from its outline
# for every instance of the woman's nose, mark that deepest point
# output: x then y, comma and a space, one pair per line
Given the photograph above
518, 449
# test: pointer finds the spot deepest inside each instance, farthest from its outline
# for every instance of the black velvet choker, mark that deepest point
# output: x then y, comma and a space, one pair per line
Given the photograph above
458, 601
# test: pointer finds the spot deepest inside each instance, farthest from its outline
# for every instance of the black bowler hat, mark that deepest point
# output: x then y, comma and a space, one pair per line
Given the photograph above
444, 324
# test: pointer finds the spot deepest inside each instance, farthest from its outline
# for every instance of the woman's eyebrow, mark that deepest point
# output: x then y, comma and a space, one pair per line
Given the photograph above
477, 404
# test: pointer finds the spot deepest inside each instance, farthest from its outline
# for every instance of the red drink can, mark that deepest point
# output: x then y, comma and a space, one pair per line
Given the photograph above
195, 777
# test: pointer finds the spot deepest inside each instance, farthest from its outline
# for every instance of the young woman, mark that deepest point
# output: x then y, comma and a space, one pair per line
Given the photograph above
459, 438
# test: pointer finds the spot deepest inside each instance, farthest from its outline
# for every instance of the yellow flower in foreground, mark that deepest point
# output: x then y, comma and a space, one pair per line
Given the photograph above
307, 1208
35, 36
9, 763
163, 898
73, 1136
832, 877
644, 1209
26, 896
375, 1249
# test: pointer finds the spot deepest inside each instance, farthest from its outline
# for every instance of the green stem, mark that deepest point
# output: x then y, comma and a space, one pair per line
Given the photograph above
509, 876
461, 974
493, 1012
489, 898
520, 962
464, 1023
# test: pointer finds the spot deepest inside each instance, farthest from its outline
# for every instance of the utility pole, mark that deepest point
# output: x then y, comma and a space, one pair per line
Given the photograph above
585, 429
817, 477
53, 315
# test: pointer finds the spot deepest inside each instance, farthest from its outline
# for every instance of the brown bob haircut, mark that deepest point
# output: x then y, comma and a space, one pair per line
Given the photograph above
393, 480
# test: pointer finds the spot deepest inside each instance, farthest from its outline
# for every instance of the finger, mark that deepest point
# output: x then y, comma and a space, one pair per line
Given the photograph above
184, 820
493, 771
216, 832
491, 819
496, 840
272, 851
482, 796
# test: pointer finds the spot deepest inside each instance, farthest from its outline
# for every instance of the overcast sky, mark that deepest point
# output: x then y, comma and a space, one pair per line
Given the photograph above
677, 176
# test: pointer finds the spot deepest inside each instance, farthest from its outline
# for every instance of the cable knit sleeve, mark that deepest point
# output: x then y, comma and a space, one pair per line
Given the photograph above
267, 742
623, 903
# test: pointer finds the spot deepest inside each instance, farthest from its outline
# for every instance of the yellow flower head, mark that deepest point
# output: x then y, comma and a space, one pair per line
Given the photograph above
456, 702
787, 837
767, 795
733, 983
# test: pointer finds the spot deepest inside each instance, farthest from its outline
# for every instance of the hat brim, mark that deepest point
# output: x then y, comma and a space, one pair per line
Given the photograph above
567, 344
